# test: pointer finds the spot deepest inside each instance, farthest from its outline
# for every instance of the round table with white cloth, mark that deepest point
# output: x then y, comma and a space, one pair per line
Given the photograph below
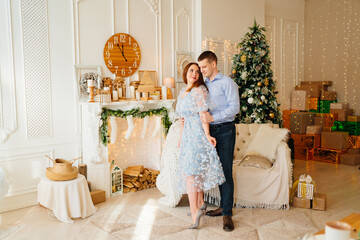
67, 199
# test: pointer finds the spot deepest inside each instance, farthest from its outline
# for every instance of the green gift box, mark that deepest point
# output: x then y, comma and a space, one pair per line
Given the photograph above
353, 128
324, 105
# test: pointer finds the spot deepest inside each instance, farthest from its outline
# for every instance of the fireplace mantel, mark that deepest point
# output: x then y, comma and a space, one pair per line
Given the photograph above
95, 154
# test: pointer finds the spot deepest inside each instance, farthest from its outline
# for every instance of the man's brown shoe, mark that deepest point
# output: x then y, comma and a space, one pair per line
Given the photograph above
228, 224
215, 213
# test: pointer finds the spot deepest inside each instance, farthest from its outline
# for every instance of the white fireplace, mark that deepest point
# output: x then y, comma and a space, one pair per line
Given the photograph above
144, 146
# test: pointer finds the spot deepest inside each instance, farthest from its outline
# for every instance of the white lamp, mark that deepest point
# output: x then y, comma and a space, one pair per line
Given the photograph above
169, 82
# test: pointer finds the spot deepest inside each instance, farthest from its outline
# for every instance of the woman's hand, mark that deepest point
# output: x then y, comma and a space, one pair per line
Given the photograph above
212, 140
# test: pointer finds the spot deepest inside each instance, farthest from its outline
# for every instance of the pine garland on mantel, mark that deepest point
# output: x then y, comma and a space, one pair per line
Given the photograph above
105, 138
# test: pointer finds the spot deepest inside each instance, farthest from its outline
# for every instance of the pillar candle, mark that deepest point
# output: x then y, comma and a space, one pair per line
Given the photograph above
132, 92
115, 96
99, 82
120, 93
137, 95
164, 92
90, 83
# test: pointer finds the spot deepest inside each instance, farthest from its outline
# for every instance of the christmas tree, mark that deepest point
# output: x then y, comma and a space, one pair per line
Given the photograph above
251, 70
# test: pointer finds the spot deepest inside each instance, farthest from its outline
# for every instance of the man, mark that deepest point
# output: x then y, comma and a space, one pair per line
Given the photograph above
224, 94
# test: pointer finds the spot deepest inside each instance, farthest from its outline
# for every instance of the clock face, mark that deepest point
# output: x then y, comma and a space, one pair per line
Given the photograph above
122, 54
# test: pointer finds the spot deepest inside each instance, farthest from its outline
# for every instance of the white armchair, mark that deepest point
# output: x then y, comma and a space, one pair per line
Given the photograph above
258, 187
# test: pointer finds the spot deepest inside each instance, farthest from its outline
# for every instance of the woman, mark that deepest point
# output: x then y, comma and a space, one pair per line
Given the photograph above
199, 165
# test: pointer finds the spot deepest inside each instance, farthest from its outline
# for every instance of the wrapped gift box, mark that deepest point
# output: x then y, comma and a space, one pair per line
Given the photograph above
342, 113
324, 106
354, 141
314, 129
300, 120
353, 128
299, 100
334, 140
353, 118
301, 202
328, 95
319, 201
350, 159
314, 90
286, 117
313, 103
320, 83
353, 150
319, 121
305, 140
98, 196
339, 105
305, 190
325, 119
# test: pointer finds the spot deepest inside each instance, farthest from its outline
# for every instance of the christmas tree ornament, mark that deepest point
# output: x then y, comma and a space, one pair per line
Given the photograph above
259, 84
260, 103
262, 97
234, 71
243, 58
250, 92
131, 127
266, 81
250, 100
271, 115
244, 108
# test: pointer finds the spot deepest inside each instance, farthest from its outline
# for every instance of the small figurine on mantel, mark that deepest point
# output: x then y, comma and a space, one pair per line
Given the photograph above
146, 86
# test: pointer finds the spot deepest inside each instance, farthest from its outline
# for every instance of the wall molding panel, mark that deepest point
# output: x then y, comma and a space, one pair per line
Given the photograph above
37, 68
289, 59
8, 109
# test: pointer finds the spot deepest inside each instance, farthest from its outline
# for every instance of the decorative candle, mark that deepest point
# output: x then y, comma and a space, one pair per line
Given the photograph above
143, 94
137, 95
99, 82
132, 92
90, 83
120, 93
164, 92
115, 96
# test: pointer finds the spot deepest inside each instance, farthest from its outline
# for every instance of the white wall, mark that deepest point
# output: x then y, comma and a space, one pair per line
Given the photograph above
285, 34
230, 19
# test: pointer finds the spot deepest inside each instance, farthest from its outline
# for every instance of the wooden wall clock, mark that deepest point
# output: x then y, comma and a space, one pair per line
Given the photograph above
122, 54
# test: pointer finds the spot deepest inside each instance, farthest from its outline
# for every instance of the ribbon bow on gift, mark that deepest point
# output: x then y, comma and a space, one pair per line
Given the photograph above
305, 178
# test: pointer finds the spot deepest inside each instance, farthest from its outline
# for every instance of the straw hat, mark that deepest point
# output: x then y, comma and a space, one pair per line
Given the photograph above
62, 170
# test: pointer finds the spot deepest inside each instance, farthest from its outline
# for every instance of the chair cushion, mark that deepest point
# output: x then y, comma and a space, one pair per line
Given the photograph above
256, 161
266, 141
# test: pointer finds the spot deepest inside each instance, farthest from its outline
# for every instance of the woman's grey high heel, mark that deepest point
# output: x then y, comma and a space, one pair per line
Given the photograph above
203, 207
200, 214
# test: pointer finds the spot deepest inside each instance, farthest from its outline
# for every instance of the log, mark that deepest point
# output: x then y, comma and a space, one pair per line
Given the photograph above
128, 184
133, 173
139, 168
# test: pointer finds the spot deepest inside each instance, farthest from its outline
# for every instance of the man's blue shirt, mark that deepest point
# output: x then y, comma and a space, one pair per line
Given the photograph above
224, 95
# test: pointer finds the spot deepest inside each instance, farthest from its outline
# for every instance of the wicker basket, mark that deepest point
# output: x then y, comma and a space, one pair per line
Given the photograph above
62, 170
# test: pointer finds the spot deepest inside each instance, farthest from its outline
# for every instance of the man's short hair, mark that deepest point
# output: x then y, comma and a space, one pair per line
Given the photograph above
209, 55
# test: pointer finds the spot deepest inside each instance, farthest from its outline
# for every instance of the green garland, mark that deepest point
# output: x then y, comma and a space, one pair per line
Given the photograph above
105, 138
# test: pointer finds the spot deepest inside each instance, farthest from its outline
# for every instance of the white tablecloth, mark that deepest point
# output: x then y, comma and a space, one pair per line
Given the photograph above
67, 199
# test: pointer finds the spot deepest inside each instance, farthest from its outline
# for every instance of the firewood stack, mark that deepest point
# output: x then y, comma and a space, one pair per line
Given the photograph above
137, 178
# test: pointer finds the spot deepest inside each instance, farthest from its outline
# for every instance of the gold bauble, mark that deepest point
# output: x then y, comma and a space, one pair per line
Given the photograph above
266, 81
272, 115
259, 84
260, 103
234, 71
243, 58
